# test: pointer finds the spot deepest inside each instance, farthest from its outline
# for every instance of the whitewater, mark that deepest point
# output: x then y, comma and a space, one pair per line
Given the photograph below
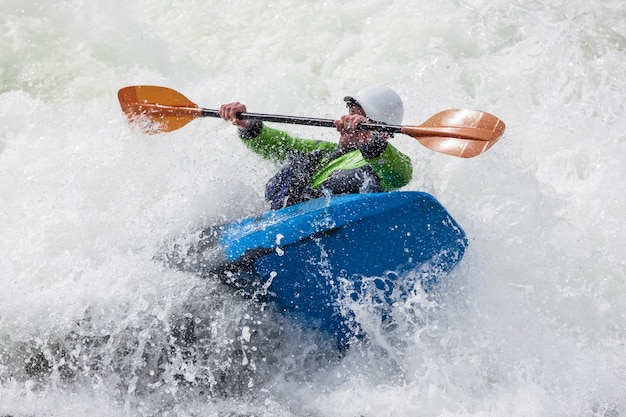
531, 323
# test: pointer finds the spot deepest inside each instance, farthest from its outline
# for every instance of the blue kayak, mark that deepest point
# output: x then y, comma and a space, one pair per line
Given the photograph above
308, 258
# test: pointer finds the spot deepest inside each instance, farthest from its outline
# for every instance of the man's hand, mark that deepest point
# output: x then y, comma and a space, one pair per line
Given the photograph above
229, 112
348, 127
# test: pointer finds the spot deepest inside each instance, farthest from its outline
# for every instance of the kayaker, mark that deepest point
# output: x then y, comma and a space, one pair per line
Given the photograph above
362, 161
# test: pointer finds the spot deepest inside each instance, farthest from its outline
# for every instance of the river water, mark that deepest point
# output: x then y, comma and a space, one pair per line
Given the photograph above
531, 323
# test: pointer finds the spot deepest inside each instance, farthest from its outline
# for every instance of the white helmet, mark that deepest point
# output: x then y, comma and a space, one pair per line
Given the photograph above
380, 104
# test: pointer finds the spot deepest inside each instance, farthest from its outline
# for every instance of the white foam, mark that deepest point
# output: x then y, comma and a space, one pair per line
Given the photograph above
532, 321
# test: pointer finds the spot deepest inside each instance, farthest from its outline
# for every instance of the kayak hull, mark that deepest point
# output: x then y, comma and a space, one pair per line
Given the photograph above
309, 259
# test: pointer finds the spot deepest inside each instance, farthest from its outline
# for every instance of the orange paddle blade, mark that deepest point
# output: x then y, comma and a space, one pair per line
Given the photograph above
458, 132
157, 109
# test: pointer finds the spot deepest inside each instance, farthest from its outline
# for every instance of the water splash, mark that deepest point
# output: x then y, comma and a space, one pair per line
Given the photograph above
530, 324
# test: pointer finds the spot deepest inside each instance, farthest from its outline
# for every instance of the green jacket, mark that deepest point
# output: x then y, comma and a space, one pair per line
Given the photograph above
392, 167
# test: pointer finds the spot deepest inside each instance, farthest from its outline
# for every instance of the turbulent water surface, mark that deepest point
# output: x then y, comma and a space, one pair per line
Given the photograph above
532, 322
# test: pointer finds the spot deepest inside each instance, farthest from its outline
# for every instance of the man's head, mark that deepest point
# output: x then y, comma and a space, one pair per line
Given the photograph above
380, 104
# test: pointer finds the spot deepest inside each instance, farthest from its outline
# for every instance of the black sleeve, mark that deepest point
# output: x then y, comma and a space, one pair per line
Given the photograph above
252, 131
374, 148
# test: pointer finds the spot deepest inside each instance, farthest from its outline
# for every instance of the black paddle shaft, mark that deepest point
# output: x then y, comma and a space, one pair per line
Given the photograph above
308, 121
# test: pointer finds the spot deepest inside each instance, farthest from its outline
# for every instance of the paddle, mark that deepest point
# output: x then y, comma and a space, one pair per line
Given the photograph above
457, 132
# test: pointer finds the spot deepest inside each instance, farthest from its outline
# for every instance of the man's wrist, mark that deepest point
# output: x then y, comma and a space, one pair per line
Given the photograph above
252, 130
374, 148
